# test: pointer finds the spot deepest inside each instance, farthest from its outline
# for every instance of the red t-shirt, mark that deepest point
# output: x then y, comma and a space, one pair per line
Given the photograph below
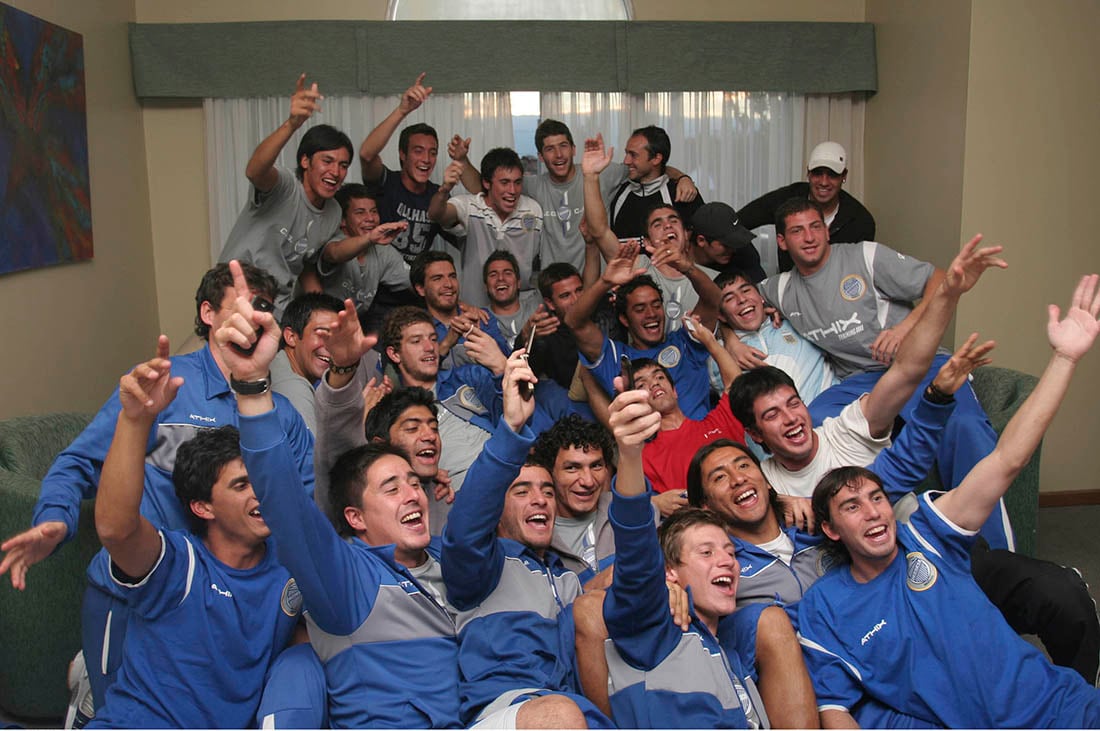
666, 458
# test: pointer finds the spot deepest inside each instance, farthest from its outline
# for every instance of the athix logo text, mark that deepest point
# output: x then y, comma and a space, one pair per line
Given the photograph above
874, 630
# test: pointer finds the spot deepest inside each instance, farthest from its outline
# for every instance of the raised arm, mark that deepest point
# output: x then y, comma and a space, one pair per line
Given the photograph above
341, 250
472, 557
129, 537
370, 151
441, 210
620, 270
970, 504
260, 169
727, 364
709, 294
915, 356
595, 160
886, 345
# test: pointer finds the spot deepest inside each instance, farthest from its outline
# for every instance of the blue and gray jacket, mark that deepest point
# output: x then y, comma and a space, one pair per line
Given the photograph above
660, 676
388, 647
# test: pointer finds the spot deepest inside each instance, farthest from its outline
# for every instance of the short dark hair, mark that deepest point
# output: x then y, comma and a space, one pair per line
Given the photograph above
347, 478
696, 494
671, 532
419, 266
301, 309
639, 363
642, 280
420, 128
499, 255
199, 463
549, 128
571, 431
833, 482
790, 207
554, 273
319, 138
218, 279
399, 318
751, 385
390, 407
499, 158
656, 142
732, 275
351, 191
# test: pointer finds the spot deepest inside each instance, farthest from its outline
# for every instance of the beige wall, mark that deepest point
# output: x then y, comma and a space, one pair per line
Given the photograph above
73, 329
1030, 168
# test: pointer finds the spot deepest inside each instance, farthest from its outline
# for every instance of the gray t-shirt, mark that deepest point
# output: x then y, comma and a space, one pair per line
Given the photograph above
562, 211
298, 390
359, 279
278, 230
678, 292
579, 535
510, 325
841, 308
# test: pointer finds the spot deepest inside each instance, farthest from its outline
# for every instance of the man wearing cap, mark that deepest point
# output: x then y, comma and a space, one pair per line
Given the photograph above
848, 221
720, 242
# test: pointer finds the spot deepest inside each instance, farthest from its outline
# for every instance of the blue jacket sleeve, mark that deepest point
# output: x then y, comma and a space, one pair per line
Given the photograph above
300, 440
636, 607
74, 475
905, 463
492, 329
338, 590
472, 558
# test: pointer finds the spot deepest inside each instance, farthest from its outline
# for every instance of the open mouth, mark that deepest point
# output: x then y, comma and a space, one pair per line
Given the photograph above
745, 497
255, 513
413, 519
797, 434
539, 520
724, 583
877, 533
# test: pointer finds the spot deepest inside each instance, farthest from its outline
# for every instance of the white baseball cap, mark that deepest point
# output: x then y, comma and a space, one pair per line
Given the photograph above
828, 155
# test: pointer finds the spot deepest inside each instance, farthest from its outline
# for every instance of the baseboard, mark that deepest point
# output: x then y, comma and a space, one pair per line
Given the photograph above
1069, 498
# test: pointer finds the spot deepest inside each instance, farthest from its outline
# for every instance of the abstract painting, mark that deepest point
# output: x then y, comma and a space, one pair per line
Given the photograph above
45, 205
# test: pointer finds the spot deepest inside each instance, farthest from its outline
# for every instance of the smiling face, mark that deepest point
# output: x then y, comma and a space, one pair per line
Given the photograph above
440, 288
806, 240
529, 509
361, 217
825, 186
416, 431
664, 227
640, 165
309, 356
233, 511
645, 317
418, 162
502, 192
557, 155
563, 295
742, 306
580, 477
736, 489
708, 566
783, 425
394, 509
502, 283
417, 358
323, 173
861, 518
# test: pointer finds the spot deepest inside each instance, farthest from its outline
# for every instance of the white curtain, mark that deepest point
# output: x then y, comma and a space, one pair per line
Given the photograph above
235, 126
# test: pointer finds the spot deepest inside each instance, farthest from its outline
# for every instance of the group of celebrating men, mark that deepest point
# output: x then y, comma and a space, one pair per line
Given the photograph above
555, 454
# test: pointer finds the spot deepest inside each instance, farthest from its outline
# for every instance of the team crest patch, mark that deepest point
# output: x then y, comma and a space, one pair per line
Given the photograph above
467, 396
291, 600
852, 287
527, 221
669, 357
920, 574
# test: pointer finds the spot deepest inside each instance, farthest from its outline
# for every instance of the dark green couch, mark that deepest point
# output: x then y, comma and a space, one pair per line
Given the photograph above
39, 627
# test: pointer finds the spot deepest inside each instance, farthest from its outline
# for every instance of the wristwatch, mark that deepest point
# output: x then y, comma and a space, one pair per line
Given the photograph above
250, 388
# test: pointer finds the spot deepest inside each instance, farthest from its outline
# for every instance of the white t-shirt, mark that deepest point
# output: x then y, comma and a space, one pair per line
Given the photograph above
842, 441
